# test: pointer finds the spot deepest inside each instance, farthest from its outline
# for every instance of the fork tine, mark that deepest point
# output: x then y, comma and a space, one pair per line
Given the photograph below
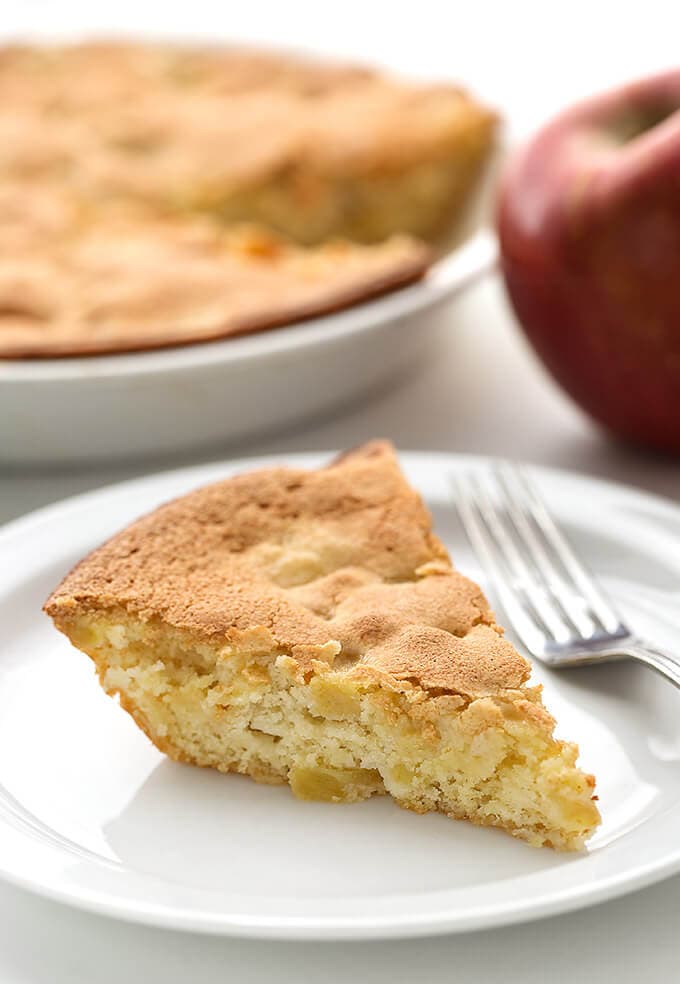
525, 582
486, 551
570, 600
584, 581
512, 576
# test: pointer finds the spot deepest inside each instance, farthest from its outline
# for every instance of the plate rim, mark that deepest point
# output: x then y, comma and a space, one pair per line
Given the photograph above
545, 903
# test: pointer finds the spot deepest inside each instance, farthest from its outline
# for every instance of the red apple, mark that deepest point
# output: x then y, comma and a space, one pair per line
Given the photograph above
589, 227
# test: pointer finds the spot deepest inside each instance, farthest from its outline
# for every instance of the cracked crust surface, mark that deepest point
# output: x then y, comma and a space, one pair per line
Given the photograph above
121, 164
152, 121
123, 287
333, 566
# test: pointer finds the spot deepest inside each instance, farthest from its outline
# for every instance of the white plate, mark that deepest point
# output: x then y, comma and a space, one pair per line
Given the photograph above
92, 814
196, 396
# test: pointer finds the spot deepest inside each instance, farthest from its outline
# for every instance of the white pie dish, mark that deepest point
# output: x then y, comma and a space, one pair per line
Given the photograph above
91, 814
77, 410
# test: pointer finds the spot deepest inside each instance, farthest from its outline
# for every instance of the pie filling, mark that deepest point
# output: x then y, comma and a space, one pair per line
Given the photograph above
425, 200
337, 735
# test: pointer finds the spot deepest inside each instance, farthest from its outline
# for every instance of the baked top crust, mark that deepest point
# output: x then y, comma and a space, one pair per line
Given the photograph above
123, 168
338, 565
153, 121
121, 286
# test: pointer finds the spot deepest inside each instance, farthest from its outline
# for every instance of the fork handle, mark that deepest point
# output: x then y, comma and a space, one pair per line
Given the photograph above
660, 660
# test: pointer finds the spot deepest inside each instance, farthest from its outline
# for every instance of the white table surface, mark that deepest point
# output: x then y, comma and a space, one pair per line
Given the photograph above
482, 392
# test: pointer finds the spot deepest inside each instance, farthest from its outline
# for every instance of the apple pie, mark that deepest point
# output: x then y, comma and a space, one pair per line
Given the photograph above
307, 627
153, 152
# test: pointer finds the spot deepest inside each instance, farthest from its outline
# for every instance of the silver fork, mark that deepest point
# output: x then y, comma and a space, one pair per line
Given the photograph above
554, 604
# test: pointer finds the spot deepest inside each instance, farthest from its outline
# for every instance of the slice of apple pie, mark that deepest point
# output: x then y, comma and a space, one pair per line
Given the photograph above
308, 627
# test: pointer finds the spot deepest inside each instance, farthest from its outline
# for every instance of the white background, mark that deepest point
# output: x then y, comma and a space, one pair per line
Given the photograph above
484, 393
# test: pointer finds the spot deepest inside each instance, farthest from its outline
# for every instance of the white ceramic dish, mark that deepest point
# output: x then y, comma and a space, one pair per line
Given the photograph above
93, 815
153, 403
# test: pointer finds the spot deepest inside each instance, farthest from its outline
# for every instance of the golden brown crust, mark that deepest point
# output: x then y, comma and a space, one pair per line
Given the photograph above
174, 288
337, 565
121, 163
152, 121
